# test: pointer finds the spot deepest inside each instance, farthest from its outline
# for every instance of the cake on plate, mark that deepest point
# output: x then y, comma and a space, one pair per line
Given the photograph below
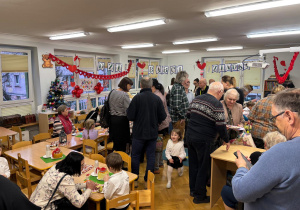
101, 172
57, 153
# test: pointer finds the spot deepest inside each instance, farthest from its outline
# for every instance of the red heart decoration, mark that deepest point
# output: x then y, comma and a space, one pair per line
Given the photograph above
282, 63
72, 84
72, 68
141, 65
201, 66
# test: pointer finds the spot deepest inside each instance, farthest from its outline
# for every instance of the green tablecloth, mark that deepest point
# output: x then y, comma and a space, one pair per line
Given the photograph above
94, 179
50, 160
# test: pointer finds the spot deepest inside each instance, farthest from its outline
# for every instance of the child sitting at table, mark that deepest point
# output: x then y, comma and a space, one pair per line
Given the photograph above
118, 184
175, 154
90, 133
4, 169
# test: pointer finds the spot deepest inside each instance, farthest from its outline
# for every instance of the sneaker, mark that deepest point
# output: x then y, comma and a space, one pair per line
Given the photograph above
136, 184
169, 185
205, 200
157, 171
180, 173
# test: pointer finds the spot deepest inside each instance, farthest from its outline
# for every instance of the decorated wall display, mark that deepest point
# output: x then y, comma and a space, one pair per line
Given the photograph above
101, 65
230, 67
87, 84
98, 88
77, 91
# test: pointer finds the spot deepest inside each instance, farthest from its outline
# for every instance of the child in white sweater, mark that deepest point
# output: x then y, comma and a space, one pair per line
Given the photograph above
175, 153
4, 169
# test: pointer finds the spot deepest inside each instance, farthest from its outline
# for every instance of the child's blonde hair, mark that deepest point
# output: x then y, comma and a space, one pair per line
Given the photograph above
88, 125
179, 133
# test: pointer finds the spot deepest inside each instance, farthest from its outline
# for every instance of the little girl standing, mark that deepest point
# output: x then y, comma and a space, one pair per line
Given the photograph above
90, 133
175, 153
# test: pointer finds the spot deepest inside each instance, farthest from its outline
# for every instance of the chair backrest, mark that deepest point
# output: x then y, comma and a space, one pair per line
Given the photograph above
21, 144
50, 131
41, 137
91, 143
23, 175
123, 200
17, 129
80, 117
4, 139
150, 186
126, 158
78, 125
98, 157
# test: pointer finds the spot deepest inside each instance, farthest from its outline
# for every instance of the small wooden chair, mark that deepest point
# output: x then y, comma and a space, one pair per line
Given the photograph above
110, 146
21, 144
18, 130
5, 142
98, 157
91, 143
78, 125
101, 139
41, 137
80, 118
126, 158
147, 196
123, 200
25, 177
50, 131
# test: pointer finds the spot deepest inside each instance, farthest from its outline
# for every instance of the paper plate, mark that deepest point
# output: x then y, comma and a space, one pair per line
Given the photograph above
46, 156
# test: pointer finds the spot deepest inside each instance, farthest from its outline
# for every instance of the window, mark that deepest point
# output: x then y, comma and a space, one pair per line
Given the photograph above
64, 75
102, 69
16, 89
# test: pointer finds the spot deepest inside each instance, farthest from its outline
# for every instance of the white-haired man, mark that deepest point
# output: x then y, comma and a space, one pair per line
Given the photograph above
273, 183
206, 119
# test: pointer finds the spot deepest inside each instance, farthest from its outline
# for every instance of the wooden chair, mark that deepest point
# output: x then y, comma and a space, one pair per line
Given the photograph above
98, 157
25, 177
5, 142
91, 143
103, 139
110, 146
18, 130
147, 196
80, 118
126, 158
21, 144
123, 200
41, 137
78, 125
50, 131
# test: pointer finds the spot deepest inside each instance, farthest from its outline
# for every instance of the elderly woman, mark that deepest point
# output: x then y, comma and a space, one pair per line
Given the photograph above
119, 130
273, 138
233, 111
66, 195
62, 121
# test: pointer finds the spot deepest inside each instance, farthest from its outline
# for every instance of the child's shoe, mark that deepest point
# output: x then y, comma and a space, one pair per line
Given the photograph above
180, 172
169, 185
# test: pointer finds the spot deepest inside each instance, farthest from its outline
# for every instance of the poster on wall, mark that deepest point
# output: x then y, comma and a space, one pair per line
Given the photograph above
158, 69
118, 67
110, 67
173, 70
151, 70
179, 68
87, 84
101, 65
166, 70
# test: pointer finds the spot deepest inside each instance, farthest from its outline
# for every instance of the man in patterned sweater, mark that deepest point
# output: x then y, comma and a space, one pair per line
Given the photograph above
207, 118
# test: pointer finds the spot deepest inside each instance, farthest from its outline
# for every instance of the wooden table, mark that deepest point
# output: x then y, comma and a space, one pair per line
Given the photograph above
221, 161
97, 197
7, 132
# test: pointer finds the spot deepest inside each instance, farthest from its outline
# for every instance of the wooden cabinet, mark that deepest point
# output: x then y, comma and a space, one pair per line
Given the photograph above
269, 84
46, 120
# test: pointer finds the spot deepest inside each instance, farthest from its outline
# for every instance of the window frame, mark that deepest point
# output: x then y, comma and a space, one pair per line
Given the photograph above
22, 102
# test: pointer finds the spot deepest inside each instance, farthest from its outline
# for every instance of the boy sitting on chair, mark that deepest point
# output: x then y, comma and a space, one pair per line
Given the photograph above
117, 184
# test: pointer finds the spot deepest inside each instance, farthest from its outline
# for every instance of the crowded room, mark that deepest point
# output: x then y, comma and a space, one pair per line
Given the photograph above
154, 105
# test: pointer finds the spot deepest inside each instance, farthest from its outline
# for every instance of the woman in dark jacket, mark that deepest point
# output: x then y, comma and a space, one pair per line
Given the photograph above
94, 115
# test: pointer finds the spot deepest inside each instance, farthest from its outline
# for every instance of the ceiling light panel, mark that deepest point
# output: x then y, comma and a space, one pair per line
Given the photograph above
251, 7
195, 41
275, 33
69, 36
225, 48
137, 46
175, 51
133, 26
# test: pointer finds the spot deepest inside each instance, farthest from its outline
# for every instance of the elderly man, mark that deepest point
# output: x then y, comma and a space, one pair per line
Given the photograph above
202, 87
211, 81
273, 182
178, 100
146, 110
207, 118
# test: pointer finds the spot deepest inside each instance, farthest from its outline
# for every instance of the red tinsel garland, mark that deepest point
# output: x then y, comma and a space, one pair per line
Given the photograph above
73, 68
284, 77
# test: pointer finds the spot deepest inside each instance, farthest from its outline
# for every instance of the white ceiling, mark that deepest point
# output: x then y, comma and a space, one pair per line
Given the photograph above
40, 19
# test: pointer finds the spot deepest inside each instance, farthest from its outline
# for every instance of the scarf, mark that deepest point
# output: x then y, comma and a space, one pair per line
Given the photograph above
67, 124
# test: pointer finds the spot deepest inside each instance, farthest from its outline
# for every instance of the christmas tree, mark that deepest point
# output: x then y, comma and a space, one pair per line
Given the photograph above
55, 97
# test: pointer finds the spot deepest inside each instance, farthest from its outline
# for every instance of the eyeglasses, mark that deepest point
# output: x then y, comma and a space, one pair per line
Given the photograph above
274, 117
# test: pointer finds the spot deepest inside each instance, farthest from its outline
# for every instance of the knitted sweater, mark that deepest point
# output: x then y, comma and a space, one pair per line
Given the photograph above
273, 182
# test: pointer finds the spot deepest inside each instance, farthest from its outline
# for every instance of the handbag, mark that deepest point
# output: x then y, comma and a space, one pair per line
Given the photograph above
55, 190
159, 144
105, 113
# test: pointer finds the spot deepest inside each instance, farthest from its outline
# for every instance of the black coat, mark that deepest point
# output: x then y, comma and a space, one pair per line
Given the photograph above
146, 110
92, 115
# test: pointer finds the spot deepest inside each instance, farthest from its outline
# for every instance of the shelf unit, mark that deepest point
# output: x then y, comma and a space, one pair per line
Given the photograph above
269, 84
44, 120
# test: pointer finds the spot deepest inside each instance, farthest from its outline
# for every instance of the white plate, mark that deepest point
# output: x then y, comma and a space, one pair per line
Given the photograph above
46, 156
93, 174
